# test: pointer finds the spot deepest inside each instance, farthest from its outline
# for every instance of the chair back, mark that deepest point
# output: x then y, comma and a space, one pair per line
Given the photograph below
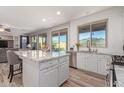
12, 58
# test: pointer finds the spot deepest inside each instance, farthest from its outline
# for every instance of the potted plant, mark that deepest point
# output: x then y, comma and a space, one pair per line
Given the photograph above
78, 46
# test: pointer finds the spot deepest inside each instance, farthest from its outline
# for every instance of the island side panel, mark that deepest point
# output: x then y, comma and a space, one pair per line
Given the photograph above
30, 73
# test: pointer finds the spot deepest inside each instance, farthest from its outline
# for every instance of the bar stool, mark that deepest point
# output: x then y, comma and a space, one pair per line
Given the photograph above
13, 59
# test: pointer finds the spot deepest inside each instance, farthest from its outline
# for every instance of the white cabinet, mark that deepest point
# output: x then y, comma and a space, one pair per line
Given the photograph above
49, 77
102, 64
91, 63
48, 64
81, 60
63, 69
63, 72
54, 72
101, 60
102, 67
47, 73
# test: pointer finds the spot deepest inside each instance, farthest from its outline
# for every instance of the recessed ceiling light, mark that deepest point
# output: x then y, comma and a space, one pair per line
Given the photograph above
44, 20
58, 13
2, 29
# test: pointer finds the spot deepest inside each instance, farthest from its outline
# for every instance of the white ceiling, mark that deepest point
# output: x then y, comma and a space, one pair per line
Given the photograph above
29, 18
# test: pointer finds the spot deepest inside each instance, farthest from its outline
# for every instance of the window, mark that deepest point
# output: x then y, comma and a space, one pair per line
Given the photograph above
59, 42
98, 36
55, 42
84, 35
42, 40
94, 33
34, 42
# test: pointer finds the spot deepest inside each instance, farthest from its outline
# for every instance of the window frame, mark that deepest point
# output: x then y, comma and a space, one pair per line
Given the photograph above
90, 24
58, 32
89, 31
41, 35
34, 42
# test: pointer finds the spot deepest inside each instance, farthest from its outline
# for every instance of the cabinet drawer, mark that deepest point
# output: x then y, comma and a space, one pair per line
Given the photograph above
63, 59
48, 64
102, 57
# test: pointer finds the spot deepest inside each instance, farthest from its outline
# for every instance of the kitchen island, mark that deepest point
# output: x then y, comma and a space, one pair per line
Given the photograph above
44, 69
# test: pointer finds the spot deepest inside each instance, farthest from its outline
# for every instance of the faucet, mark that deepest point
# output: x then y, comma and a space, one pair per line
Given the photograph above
88, 45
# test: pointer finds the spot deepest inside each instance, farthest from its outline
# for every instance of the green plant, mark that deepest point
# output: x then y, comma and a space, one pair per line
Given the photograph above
78, 45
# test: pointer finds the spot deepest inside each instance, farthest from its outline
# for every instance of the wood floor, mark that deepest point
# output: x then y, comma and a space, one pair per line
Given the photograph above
77, 78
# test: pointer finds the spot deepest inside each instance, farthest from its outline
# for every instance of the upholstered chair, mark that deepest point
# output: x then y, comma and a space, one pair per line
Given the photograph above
13, 59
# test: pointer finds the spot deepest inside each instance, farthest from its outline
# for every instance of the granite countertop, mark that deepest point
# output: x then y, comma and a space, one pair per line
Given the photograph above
99, 53
38, 55
119, 72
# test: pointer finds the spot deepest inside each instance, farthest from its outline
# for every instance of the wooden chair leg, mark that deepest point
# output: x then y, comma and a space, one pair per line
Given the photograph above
11, 71
21, 67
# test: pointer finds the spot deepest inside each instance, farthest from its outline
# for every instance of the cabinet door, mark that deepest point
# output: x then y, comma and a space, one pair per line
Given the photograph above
102, 60
49, 77
91, 63
63, 72
103, 66
81, 60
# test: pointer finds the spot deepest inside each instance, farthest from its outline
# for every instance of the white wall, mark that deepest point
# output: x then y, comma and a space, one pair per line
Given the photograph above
115, 33
16, 40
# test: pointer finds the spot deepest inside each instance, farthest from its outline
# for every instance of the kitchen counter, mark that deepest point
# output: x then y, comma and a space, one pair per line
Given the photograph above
38, 55
99, 53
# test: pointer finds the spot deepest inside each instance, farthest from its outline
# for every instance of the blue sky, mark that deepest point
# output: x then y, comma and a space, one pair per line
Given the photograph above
100, 34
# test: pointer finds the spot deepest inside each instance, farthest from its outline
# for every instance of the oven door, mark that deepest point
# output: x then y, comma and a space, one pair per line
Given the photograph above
109, 78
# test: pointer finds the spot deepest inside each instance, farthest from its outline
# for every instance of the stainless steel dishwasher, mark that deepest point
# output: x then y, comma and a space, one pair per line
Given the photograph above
73, 59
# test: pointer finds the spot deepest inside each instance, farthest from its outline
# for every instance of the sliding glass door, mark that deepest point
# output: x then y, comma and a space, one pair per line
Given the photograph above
34, 42
55, 43
42, 40
63, 42
59, 42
